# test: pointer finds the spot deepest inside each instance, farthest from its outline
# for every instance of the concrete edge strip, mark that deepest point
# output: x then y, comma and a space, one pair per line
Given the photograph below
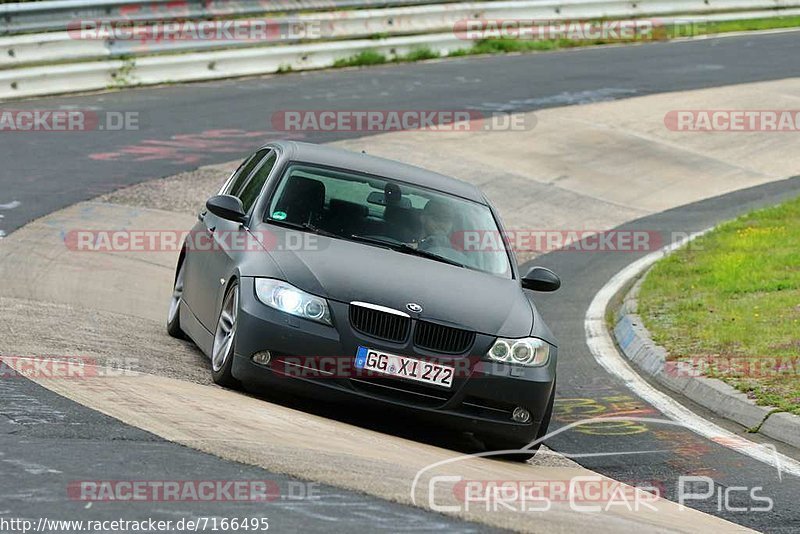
602, 346
636, 343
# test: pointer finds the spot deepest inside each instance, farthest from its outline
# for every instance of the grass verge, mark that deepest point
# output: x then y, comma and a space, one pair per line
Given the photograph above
372, 57
730, 303
510, 45
367, 57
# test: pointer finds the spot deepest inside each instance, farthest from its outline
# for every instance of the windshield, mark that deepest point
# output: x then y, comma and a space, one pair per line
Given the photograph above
381, 212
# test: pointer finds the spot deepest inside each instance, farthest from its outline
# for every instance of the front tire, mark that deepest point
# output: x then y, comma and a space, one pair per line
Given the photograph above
225, 340
174, 316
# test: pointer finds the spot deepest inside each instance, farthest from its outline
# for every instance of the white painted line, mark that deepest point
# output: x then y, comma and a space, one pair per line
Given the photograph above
602, 346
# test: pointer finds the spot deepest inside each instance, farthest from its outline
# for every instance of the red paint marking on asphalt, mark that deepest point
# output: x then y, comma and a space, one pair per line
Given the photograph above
188, 148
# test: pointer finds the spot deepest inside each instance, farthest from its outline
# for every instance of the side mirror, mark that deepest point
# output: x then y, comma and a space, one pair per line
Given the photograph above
541, 279
227, 207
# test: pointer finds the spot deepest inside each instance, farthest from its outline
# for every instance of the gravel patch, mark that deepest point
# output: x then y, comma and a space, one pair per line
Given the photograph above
33, 329
186, 192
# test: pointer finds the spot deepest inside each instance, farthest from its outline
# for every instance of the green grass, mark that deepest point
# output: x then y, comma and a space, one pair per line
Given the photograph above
367, 57
508, 45
511, 45
732, 300
753, 25
373, 57
420, 54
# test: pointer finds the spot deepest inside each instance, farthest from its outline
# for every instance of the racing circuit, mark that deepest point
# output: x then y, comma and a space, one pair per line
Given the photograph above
596, 156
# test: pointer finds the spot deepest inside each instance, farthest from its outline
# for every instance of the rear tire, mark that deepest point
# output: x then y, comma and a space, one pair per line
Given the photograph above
502, 445
225, 340
174, 316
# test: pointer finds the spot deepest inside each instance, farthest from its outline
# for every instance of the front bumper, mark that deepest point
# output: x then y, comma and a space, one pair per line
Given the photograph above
316, 361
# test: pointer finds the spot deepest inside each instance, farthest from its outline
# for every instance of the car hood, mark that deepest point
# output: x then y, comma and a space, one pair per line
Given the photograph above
348, 271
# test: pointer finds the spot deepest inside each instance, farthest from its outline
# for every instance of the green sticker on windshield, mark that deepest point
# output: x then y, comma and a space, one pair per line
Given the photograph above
279, 215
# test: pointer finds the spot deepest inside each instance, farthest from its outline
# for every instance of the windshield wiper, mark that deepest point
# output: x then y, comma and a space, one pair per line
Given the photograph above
307, 226
406, 248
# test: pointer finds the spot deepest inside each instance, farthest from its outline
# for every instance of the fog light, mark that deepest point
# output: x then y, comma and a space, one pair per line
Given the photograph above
262, 358
521, 415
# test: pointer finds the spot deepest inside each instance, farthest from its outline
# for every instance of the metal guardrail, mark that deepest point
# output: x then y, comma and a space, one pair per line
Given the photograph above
23, 50
55, 15
55, 47
55, 62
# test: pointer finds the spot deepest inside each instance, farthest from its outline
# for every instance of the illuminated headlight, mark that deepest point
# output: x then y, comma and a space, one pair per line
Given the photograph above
529, 351
500, 351
287, 298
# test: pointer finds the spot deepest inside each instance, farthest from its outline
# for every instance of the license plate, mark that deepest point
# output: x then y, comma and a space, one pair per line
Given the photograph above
403, 367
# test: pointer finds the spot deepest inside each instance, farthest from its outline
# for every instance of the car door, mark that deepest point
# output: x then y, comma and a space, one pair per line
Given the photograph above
231, 239
196, 281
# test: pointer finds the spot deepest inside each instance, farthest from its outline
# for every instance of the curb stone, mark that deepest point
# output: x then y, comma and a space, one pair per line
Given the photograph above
636, 345
782, 426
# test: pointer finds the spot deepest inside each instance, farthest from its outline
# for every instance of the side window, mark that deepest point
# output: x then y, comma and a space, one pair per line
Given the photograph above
253, 188
237, 181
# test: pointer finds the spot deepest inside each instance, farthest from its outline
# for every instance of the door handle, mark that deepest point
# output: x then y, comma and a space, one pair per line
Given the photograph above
211, 229
201, 216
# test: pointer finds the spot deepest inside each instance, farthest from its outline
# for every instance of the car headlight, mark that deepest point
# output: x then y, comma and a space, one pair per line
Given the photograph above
528, 351
287, 298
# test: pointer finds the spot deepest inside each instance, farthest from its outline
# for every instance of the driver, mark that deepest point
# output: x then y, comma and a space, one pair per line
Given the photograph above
437, 225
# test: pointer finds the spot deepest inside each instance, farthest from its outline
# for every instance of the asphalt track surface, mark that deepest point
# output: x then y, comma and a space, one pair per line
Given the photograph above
182, 127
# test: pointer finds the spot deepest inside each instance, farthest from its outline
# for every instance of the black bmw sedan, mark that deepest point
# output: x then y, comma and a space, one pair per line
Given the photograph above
350, 277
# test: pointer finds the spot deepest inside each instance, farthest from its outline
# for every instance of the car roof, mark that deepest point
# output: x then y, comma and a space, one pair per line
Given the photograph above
386, 168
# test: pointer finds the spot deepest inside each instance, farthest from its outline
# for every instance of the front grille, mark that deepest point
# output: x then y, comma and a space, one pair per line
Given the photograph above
379, 324
440, 338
